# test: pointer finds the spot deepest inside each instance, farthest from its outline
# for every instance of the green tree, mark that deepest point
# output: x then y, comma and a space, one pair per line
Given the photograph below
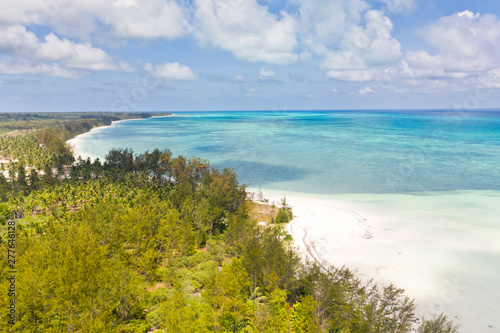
34, 179
68, 282
439, 324
185, 314
228, 293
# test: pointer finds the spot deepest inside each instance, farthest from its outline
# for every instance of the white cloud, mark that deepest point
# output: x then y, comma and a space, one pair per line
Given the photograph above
126, 67
16, 39
171, 71
365, 47
323, 23
468, 14
359, 76
335, 91
468, 45
246, 29
20, 66
84, 18
493, 79
25, 46
465, 34
355, 42
366, 90
266, 73
147, 19
74, 55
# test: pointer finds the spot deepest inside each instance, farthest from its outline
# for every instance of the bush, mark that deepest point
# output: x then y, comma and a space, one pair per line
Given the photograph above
439, 324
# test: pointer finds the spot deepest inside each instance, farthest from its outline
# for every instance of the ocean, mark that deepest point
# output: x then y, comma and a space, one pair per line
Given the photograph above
327, 152
429, 181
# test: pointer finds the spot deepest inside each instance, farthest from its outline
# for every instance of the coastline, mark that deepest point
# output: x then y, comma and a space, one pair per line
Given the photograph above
81, 137
394, 238
381, 243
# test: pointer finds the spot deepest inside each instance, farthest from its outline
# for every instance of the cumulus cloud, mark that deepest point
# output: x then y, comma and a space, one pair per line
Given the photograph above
347, 39
147, 19
363, 50
468, 45
465, 34
74, 55
364, 47
264, 73
33, 54
84, 18
171, 71
323, 23
247, 30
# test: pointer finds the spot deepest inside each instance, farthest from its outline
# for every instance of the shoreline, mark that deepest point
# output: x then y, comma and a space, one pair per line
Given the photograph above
341, 223
80, 137
381, 242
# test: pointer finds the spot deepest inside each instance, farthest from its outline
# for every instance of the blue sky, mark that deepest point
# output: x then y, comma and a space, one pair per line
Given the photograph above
154, 55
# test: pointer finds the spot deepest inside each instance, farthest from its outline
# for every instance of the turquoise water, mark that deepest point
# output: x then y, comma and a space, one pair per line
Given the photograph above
328, 152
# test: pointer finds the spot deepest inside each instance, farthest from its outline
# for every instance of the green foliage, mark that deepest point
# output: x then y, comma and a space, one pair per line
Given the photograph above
285, 214
269, 262
68, 281
304, 316
184, 314
439, 324
227, 293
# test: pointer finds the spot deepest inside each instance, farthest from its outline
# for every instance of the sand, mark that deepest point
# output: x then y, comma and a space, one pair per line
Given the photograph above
445, 263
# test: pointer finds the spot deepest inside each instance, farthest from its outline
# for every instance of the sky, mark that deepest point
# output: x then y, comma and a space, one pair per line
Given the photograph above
181, 55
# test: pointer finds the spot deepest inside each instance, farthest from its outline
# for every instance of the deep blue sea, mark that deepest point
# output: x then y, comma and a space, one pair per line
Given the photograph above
328, 152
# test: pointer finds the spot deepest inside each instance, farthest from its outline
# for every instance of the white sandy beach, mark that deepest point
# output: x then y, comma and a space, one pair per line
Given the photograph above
447, 269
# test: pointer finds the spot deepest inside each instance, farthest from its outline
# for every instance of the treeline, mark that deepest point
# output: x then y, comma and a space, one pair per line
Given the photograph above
40, 148
72, 122
37, 150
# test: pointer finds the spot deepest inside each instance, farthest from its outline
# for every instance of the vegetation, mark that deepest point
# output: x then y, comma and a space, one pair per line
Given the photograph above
285, 214
67, 123
152, 242
37, 140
